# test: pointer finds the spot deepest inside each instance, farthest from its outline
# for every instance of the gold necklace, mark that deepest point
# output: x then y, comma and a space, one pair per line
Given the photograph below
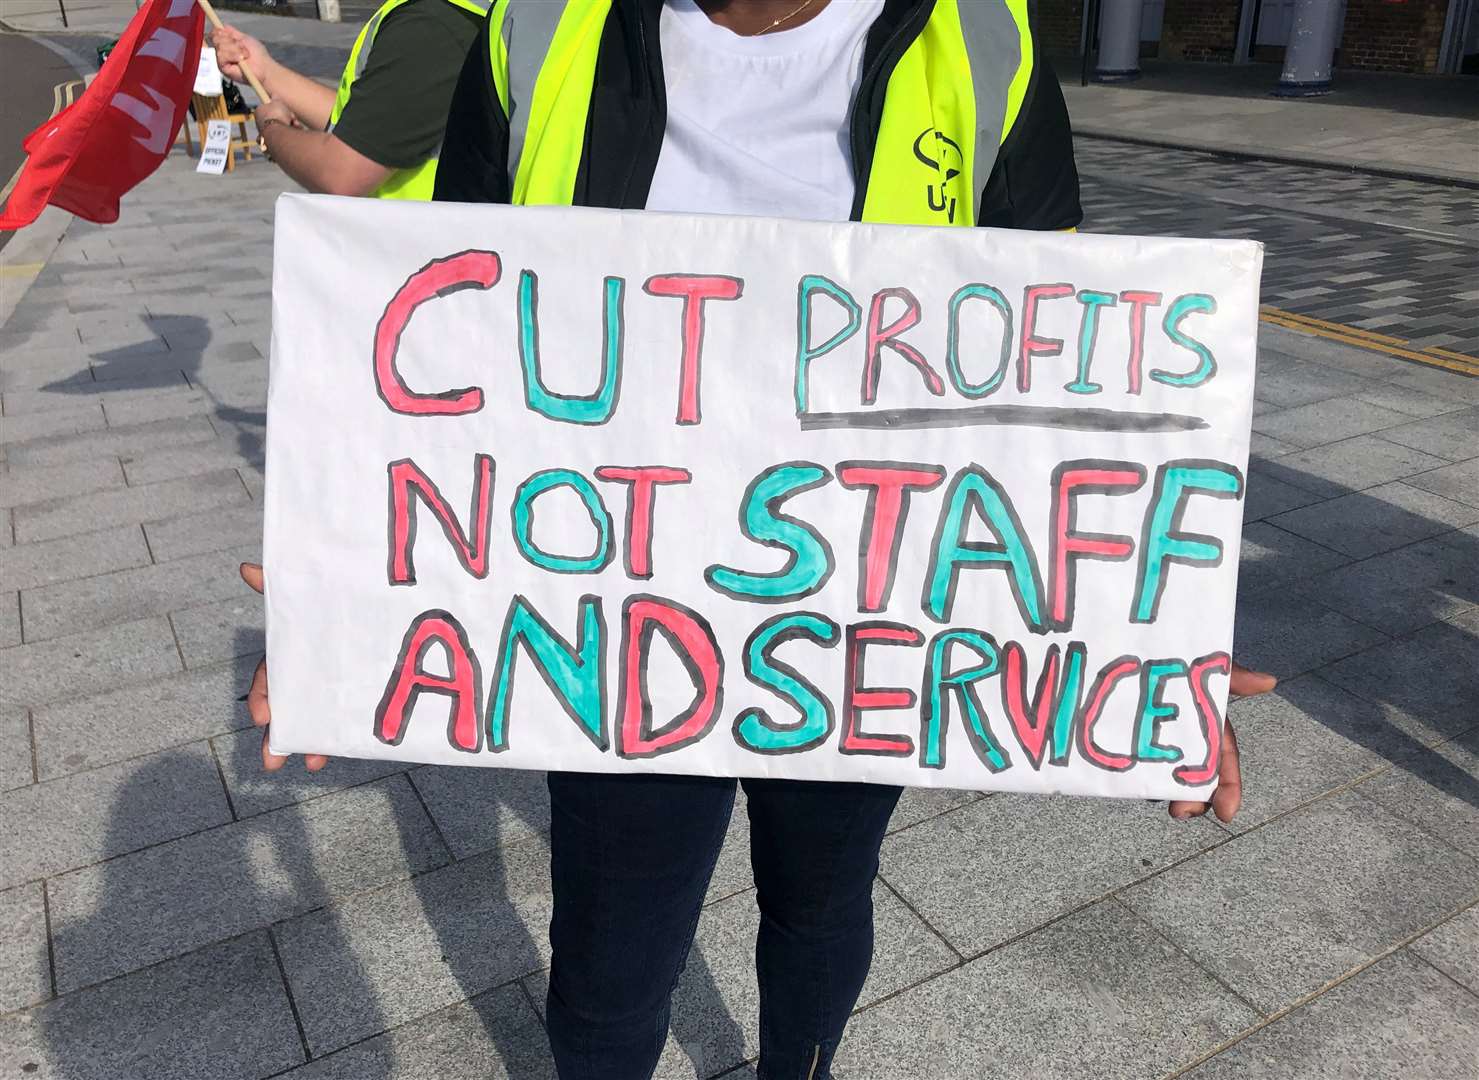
789, 15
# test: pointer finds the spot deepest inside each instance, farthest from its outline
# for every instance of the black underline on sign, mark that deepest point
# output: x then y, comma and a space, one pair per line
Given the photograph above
1005, 415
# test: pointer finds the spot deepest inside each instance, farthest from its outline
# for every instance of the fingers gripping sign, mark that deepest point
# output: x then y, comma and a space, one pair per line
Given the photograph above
1229, 793
258, 705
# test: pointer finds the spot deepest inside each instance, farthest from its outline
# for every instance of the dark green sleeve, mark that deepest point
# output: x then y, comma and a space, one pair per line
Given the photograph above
397, 110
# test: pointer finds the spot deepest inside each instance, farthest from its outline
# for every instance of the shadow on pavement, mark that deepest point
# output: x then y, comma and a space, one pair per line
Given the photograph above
1403, 677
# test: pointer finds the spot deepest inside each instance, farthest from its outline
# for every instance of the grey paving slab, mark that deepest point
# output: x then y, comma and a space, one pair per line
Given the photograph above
121, 915
21, 485
999, 867
196, 534
1453, 435
1098, 995
922, 804
25, 967
1272, 557
1298, 383
10, 616
254, 790
228, 629
1369, 522
1437, 789
83, 733
175, 462
1326, 421
1288, 634
1442, 384
1405, 589
1266, 446
60, 424
478, 809
1453, 947
1459, 482
716, 1004
1351, 465
87, 663
68, 606
78, 820
29, 566
127, 506
1397, 1018
112, 442
72, 392
15, 749
1266, 496
495, 1036
1308, 737
1407, 400
1282, 910
1432, 676
384, 958
217, 1014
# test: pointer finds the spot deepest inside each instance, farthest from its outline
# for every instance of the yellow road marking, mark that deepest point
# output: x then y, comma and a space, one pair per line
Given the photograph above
21, 269
61, 92
1433, 356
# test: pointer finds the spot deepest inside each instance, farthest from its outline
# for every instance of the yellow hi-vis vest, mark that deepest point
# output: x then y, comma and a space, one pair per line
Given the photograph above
949, 104
419, 181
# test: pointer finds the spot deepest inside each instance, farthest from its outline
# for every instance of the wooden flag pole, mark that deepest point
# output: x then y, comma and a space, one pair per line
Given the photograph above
215, 21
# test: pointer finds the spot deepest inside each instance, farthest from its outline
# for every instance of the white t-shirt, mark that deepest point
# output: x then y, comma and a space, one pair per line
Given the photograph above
759, 125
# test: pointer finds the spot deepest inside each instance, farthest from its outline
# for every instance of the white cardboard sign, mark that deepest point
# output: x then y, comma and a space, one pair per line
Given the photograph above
216, 147
613, 491
208, 74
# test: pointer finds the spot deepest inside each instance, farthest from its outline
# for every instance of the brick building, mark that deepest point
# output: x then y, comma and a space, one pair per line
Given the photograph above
1417, 36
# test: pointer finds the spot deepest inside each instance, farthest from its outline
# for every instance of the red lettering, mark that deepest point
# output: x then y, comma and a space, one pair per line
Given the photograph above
1108, 679
643, 480
692, 639
1069, 480
1138, 302
440, 277
880, 336
1032, 345
409, 680
889, 485
858, 699
405, 476
1207, 716
695, 289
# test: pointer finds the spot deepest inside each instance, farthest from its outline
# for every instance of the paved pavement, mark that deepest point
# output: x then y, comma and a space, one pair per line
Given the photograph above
1420, 124
1395, 257
167, 912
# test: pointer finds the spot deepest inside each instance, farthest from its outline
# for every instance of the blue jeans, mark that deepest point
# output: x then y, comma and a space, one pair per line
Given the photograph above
632, 857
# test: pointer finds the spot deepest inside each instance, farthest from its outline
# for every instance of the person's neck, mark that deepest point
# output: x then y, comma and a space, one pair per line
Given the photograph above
750, 17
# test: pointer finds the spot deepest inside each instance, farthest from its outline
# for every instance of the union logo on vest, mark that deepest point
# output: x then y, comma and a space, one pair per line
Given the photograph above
942, 154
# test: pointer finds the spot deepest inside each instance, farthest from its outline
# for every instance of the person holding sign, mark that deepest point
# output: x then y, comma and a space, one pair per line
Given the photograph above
380, 132
920, 112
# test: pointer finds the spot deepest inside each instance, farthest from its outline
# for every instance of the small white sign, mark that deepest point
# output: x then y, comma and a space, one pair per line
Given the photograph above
216, 147
208, 74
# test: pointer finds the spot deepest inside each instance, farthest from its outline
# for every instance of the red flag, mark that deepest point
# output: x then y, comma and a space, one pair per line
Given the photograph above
86, 157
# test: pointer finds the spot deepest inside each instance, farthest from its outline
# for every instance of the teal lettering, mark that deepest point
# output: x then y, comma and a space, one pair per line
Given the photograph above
576, 676
809, 561
938, 685
973, 488
571, 408
1180, 308
523, 515
754, 729
810, 285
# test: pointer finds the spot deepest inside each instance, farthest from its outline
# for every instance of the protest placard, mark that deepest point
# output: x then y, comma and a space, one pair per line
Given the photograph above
216, 147
605, 491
